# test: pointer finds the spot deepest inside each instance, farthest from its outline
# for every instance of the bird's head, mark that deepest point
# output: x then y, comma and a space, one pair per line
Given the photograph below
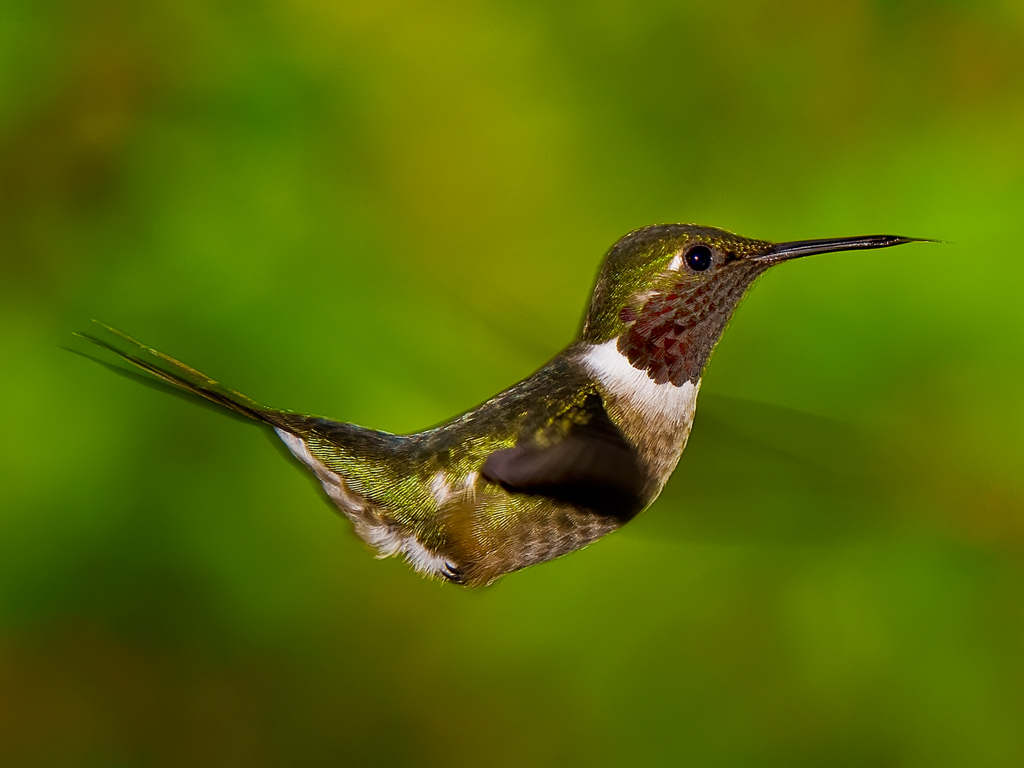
665, 293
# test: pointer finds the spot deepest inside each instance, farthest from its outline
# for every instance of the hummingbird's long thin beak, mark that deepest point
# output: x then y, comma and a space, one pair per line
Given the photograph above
798, 248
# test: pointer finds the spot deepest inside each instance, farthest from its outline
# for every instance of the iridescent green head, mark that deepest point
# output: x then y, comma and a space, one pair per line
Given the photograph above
666, 293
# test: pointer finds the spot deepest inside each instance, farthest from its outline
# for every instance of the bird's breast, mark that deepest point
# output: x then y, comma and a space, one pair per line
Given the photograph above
655, 417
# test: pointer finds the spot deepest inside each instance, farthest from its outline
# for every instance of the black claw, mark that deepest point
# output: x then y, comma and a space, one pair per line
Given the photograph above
453, 573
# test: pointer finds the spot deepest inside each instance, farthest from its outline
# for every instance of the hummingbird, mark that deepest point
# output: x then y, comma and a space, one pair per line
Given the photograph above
565, 456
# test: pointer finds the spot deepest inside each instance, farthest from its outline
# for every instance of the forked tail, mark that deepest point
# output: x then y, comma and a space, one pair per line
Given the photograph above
180, 376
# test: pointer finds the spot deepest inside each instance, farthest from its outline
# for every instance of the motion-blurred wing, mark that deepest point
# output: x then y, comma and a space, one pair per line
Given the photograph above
581, 459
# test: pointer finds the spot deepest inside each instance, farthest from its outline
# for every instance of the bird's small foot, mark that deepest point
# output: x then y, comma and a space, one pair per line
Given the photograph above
453, 573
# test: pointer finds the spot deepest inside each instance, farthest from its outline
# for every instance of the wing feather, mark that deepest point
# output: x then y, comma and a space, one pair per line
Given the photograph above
582, 459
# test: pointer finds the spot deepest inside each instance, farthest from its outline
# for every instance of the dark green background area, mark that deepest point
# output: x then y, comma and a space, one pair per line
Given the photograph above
386, 212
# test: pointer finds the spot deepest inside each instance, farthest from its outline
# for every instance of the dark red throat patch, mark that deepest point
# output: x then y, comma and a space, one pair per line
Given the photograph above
673, 333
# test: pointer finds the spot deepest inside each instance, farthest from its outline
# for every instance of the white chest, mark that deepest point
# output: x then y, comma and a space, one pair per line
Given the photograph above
655, 417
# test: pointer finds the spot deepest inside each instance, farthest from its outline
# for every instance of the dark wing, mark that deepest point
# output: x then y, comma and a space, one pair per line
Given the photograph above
582, 459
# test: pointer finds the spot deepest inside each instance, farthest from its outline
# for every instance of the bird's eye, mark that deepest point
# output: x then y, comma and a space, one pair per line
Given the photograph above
698, 258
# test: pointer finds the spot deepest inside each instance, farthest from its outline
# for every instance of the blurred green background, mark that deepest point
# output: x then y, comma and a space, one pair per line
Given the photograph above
386, 212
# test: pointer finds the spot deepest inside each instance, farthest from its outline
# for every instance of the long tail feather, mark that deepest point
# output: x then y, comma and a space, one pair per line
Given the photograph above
176, 374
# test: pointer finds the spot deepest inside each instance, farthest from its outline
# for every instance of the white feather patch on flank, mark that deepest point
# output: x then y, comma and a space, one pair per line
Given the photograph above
440, 489
661, 403
444, 489
388, 542
379, 534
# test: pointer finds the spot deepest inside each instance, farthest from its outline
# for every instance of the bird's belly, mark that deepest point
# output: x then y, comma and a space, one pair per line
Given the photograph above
506, 532
478, 531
